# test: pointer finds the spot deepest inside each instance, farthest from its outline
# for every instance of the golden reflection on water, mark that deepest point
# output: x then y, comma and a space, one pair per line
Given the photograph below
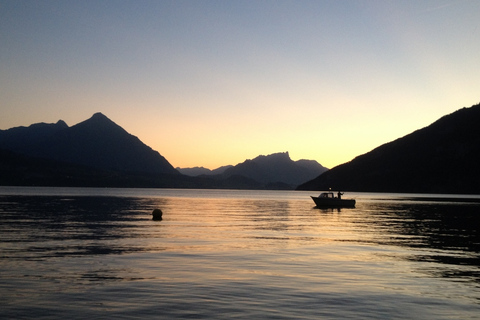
248, 255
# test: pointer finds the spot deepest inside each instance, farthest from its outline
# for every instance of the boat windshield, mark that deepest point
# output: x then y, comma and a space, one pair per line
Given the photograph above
326, 195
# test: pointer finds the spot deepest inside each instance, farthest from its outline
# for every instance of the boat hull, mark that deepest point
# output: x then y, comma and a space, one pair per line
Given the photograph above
333, 203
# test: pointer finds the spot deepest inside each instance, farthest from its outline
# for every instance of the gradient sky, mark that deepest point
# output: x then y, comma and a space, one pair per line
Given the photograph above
211, 83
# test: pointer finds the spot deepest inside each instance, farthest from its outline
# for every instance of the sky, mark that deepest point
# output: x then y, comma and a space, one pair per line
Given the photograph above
212, 83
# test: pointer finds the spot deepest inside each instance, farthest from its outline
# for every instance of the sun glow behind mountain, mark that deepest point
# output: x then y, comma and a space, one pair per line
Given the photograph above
210, 83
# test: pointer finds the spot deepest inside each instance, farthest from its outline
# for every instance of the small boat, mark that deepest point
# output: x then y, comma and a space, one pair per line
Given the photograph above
328, 200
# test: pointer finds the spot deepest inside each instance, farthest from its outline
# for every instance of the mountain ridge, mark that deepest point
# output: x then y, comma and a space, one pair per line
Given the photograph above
443, 157
50, 154
276, 168
440, 158
97, 142
198, 171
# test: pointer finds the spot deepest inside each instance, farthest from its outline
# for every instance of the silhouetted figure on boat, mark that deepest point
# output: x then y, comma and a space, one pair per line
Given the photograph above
328, 200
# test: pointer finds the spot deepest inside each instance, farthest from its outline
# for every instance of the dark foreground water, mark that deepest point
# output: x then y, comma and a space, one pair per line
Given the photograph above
97, 254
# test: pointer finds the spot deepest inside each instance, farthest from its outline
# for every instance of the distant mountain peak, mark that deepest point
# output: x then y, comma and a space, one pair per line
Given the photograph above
277, 167
99, 118
62, 124
197, 171
279, 156
100, 124
99, 115
97, 142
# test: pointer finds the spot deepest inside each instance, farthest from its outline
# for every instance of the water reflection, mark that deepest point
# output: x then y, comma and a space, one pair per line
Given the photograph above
442, 233
438, 226
329, 210
383, 258
39, 227
270, 214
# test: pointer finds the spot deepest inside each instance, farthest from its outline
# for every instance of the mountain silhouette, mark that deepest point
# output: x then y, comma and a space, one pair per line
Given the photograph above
441, 158
27, 139
97, 152
97, 142
198, 171
276, 169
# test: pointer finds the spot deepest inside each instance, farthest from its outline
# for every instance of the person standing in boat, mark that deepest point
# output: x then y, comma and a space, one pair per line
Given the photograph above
339, 194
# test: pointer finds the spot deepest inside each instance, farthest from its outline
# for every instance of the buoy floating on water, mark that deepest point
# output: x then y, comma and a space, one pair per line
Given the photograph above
157, 214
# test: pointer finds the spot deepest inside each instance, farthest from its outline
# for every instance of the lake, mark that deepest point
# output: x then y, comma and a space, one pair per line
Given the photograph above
78, 253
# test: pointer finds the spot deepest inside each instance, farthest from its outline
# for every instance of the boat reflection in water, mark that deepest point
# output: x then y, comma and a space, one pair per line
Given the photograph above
328, 200
96, 253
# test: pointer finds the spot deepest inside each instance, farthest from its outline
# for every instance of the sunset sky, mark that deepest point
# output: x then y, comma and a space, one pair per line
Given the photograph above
211, 83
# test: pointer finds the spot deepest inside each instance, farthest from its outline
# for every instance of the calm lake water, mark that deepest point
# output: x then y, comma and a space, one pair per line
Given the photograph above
68, 253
